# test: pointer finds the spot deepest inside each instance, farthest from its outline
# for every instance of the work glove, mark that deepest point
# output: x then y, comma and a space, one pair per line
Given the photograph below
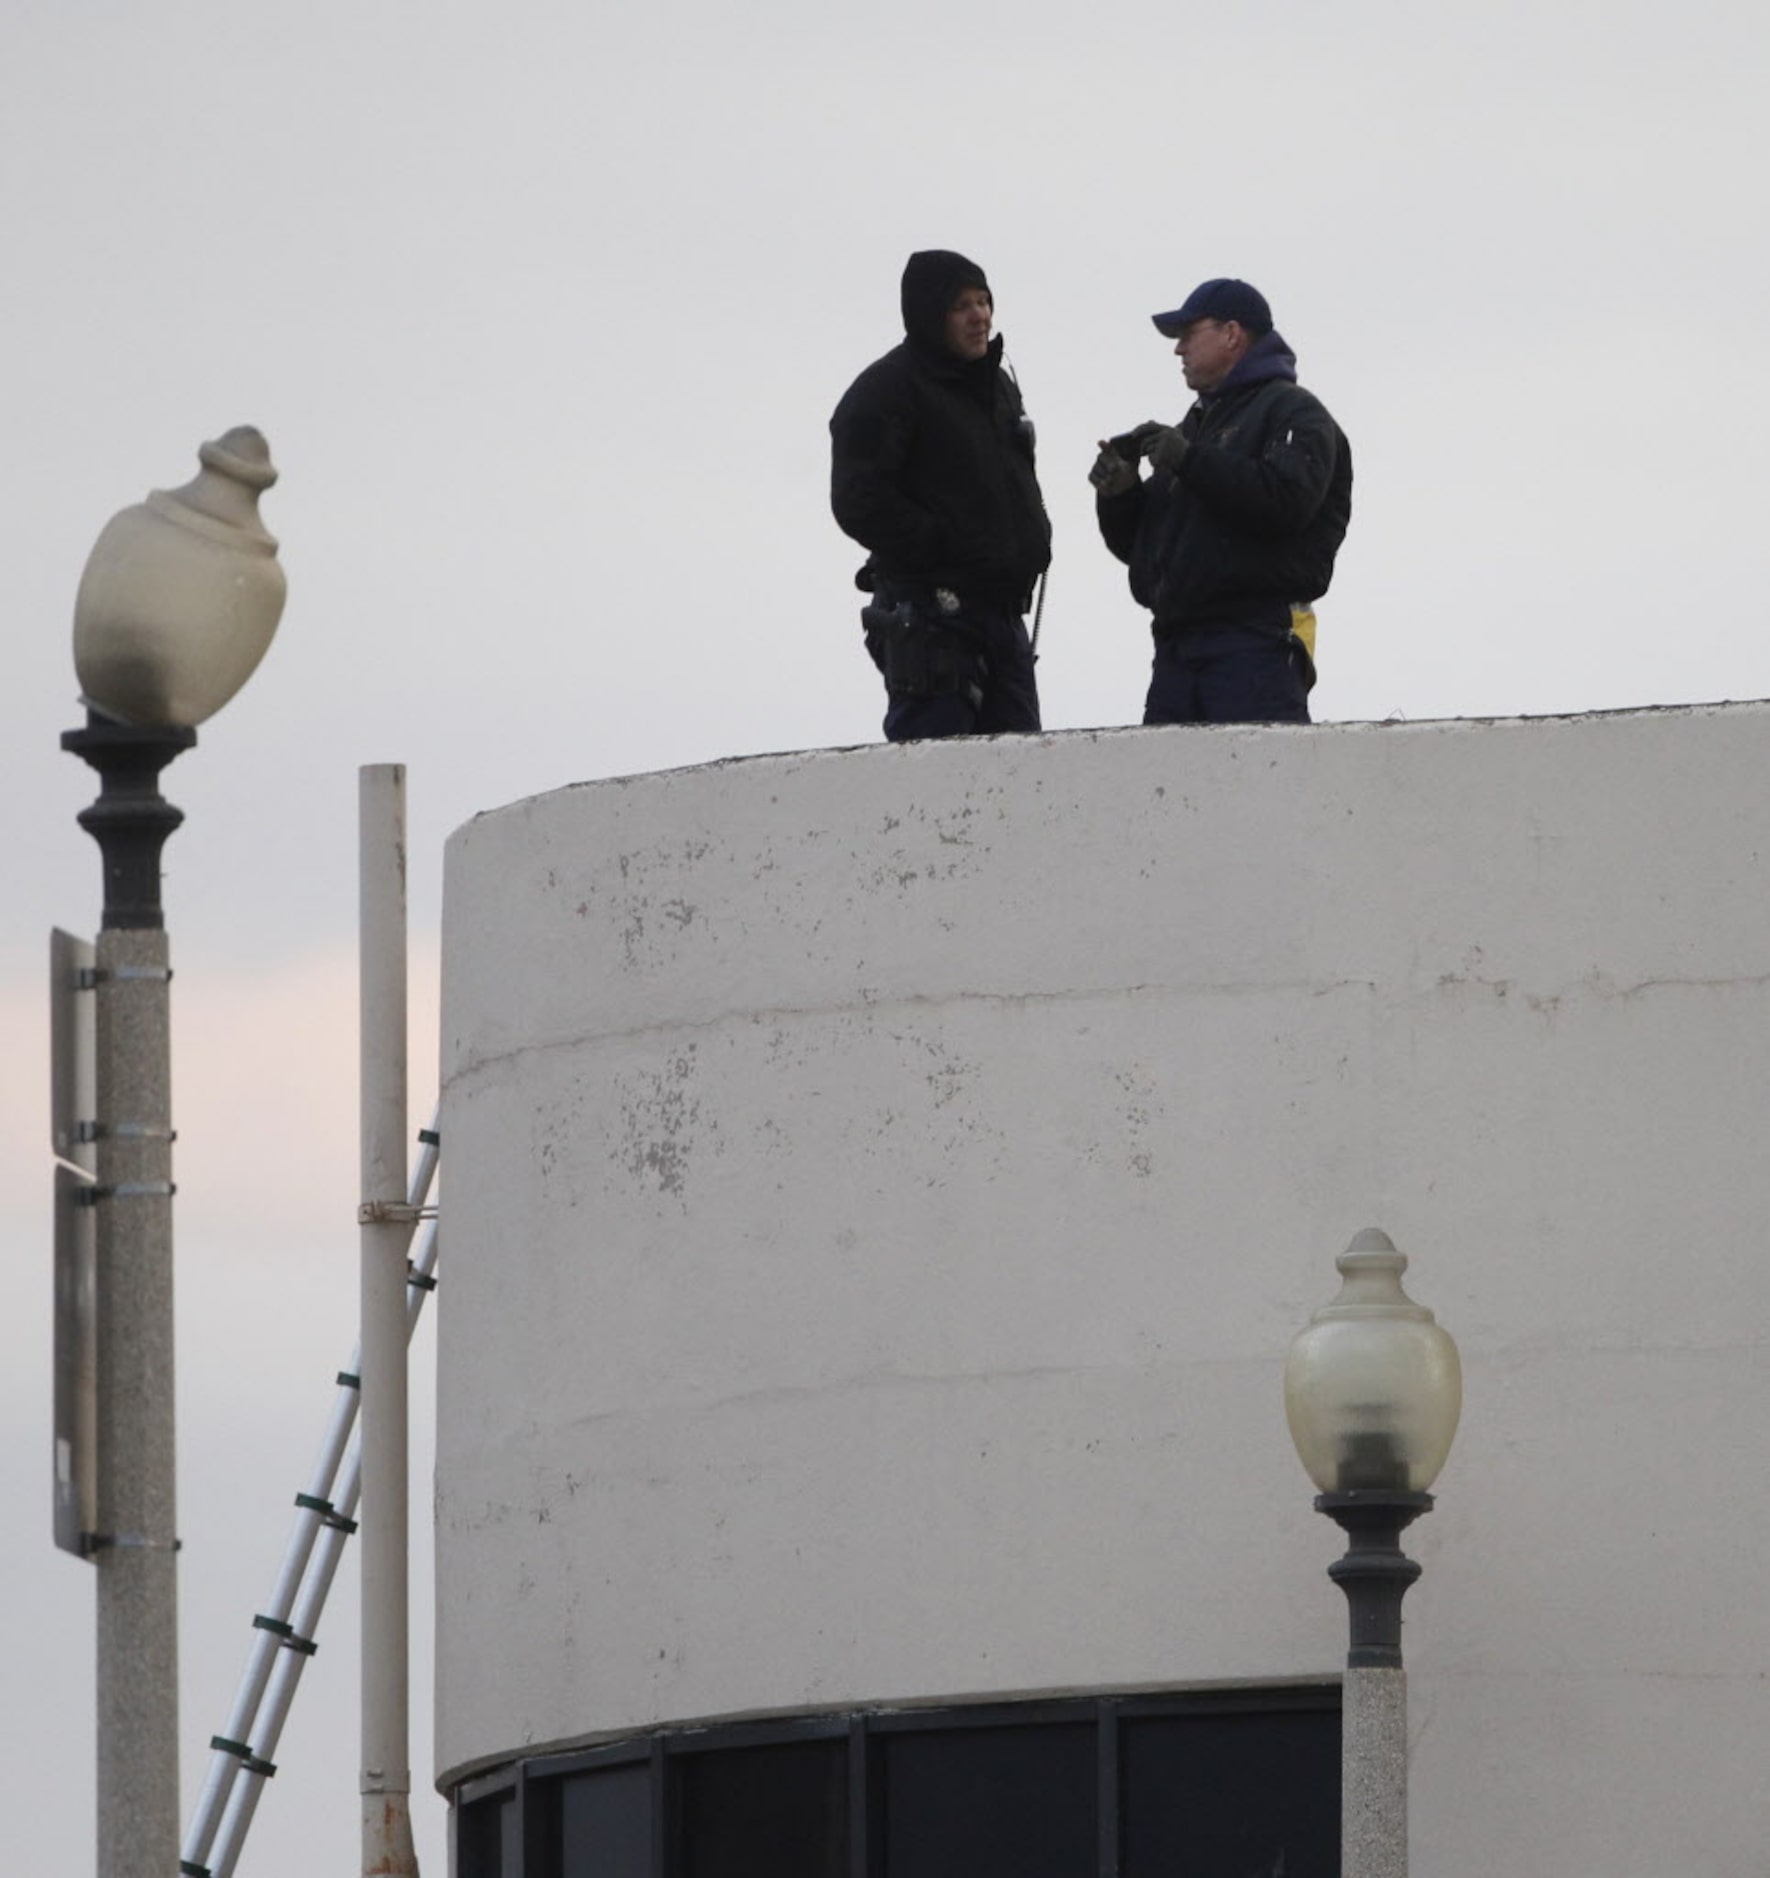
1166, 448
1111, 474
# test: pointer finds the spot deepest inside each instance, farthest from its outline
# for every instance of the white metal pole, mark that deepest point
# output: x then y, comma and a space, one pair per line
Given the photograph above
387, 1220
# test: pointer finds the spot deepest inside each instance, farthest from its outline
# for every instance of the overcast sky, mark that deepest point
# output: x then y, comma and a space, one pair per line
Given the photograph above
544, 307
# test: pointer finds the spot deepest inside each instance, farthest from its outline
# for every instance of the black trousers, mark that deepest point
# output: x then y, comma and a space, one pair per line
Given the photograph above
1007, 693
1228, 675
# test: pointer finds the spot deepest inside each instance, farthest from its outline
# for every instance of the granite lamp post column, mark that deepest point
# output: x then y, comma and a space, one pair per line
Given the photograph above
1373, 1390
178, 603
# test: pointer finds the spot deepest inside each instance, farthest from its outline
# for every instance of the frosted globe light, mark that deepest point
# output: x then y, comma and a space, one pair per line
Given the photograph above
1373, 1386
182, 594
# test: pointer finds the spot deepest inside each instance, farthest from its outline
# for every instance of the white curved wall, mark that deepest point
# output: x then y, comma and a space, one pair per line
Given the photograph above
881, 1187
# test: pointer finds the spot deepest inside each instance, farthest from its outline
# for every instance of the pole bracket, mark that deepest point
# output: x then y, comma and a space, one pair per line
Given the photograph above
125, 1190
123, 1131
392, 1213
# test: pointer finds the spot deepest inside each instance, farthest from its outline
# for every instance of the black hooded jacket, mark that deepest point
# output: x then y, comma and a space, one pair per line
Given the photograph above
1254, 518
932, 460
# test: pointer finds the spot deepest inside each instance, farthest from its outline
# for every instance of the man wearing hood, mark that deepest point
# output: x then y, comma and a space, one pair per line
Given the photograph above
1233, 537
932, 473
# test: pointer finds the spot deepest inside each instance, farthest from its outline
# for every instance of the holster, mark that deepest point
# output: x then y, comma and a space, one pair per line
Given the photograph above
923, 656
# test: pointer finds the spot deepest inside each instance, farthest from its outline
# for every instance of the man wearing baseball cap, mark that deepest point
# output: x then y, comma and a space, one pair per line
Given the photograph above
1232, 538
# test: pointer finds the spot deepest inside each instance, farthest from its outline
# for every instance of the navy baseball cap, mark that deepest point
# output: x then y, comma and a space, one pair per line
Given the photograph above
1218, 300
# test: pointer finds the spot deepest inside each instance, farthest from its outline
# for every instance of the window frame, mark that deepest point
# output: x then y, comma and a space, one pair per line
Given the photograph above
534, 1785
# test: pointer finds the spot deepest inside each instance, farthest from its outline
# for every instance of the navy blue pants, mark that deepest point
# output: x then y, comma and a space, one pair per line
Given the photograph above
1228, 675
1010, 699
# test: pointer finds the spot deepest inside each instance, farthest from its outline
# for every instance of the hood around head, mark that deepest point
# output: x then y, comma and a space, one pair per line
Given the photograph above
931, 279
1266, 359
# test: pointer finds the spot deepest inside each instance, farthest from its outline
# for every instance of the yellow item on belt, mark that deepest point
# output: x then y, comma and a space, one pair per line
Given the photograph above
1303, 625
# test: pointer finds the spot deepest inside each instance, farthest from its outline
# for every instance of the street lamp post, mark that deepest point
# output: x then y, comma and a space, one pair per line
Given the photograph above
1373, 1390
178, 603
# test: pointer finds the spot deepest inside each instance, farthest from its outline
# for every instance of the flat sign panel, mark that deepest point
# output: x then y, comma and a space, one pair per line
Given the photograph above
73, 1049
76, 1363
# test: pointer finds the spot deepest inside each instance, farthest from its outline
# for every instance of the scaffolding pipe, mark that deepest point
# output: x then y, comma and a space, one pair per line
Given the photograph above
387, 1221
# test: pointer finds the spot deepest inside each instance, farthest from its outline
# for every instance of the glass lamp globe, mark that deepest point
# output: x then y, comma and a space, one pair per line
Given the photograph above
1373, 1386
182, 594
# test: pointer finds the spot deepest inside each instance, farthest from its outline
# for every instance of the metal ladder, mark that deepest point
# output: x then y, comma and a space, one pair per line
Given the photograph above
242, 1757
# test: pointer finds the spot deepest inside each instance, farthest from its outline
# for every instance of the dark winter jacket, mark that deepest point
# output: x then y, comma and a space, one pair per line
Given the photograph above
1256, 514
932, 457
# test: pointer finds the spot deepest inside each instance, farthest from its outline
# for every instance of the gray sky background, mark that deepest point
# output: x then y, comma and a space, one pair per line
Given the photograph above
543, 308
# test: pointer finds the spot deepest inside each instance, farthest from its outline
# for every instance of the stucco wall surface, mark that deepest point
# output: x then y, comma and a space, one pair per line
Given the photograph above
880, 1187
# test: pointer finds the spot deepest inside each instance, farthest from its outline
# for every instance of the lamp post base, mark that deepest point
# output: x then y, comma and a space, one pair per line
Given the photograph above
1374, 1574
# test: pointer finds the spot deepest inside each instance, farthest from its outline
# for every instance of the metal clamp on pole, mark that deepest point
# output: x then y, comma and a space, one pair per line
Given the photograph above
392, 1213
126, 1131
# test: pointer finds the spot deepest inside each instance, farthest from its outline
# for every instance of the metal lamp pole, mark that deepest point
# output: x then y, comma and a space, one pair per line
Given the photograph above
135, 1543
1373, 1391
178, 603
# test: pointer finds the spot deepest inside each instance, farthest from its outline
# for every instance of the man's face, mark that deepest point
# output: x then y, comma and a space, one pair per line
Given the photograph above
1207, 349
968, 322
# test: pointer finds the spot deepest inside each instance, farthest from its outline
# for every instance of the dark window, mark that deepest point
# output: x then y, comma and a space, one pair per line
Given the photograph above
1230, 1796
605, 1823
488, 1846
991, 1803
772, 1812
1240, 1785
